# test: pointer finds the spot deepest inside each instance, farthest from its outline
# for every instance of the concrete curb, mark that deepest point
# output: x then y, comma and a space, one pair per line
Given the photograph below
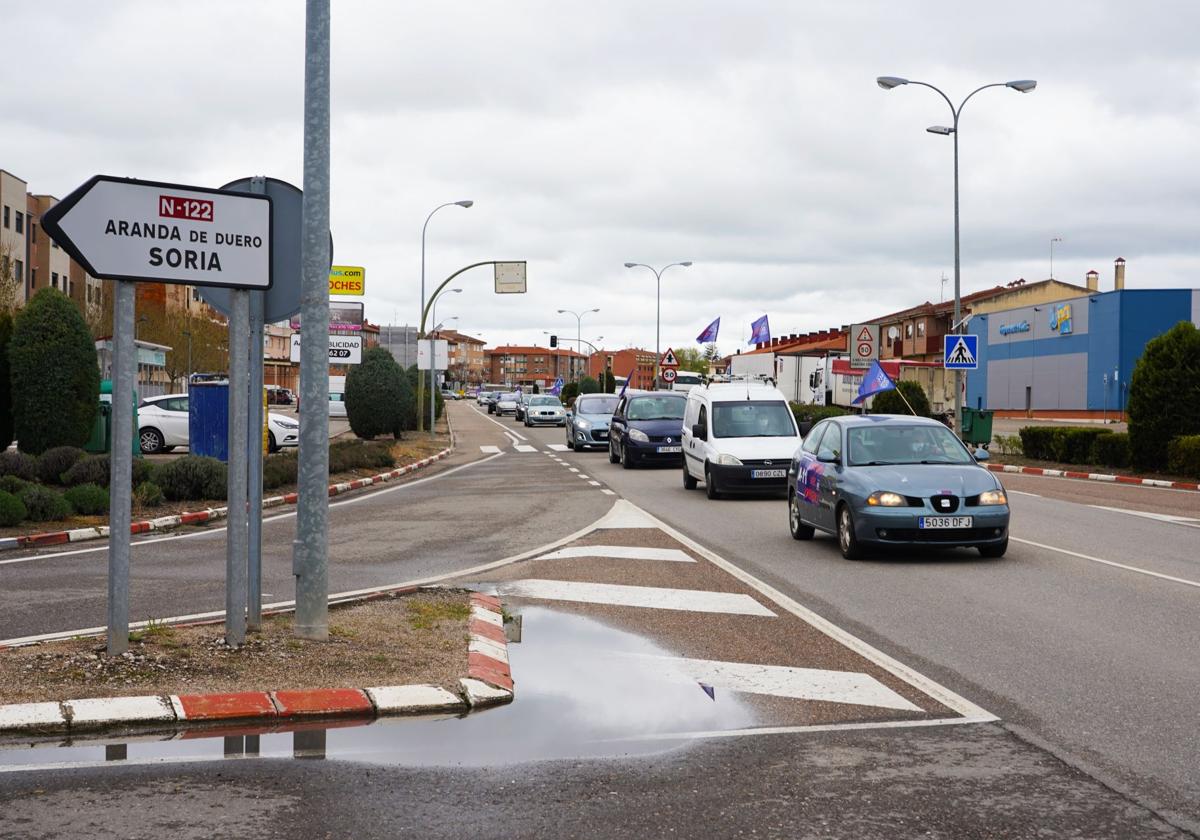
211, 515
1115, 479
488, 683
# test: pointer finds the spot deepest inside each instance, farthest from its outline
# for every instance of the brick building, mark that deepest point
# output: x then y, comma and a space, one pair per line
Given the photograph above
532, 365
632, 362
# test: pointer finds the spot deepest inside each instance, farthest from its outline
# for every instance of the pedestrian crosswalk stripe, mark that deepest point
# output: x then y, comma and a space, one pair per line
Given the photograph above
786, 681
559, 447
521, 447
620, 552
621, 595
607, 492
581, 475
490, 450
594, 483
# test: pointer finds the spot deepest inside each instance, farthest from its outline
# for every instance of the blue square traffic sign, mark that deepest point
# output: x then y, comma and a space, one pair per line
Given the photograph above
961, 352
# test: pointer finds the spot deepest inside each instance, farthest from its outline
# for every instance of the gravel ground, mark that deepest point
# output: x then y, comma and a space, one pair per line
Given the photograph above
415, 638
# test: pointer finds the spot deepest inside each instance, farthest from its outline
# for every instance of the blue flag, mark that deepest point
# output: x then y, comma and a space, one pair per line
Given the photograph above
557, 387
760, 331
627, 379
710, 333
874, 381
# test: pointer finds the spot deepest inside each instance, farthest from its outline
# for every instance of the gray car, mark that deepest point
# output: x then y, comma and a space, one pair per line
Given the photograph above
891, 480
588, 421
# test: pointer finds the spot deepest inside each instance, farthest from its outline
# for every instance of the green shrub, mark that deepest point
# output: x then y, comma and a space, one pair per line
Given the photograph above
808, 416
193, 477
143, 470
588, 385
1183, 456
88, 499
12, 510
1164, 402
94, 469
1074, 446
54, 375
349, 455
19, 464
12, 484
279, 470
54, 462
43, 504
148, 494
1038, 442
6, 417
569, 392
1008, 444
890, 402
1111, 450
374, 391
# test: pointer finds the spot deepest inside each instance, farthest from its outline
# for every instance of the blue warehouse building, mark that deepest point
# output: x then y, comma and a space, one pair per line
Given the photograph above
1073, 356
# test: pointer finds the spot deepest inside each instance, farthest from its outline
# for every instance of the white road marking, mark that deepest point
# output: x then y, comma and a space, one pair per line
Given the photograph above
581, 475
521, 447
1021, 493
1112, 563
573, 469
594, 483
558, 447
785, 681
620, 552
608, 492
1188, 521
626, 515
512, 438
651, 597
490, 450
801, 730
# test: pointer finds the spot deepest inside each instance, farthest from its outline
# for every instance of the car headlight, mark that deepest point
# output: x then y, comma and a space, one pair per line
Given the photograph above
639, 436
993, 497
885, 498
287, 424
728, 461
582, 424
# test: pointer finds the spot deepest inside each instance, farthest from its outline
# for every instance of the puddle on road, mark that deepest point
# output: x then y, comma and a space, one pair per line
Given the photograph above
584, 690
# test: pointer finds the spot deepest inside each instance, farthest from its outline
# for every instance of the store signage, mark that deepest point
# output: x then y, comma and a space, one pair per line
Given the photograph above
1009, 329
343, 349
343, 316
1060, 319
347, 280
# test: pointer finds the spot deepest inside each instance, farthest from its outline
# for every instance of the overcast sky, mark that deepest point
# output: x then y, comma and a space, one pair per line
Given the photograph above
748, 137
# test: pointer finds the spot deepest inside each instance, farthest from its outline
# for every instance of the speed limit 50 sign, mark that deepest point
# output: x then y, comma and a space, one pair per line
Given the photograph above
864, 345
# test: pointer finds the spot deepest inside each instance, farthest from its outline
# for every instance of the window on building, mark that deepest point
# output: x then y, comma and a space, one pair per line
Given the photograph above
908, 330
33, 232
921, 328
19, 227
19, 271
33, 277
6, 211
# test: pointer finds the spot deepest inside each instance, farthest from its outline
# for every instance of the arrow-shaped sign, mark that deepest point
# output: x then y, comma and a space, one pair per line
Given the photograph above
668, 360
123, 229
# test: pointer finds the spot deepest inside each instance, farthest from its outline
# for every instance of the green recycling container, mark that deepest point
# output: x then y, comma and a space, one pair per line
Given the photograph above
977, 425
101, 440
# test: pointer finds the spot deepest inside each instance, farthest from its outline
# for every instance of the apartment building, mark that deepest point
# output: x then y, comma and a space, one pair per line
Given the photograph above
14, 249
632, 363
533, 365
468, 362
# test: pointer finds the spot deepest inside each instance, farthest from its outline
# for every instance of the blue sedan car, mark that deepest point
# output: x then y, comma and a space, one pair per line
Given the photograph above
588, 419
890, 480
647, 428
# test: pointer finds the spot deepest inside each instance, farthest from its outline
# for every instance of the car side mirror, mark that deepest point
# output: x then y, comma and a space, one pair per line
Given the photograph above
699, 432
828, 456
981, 454
568, 412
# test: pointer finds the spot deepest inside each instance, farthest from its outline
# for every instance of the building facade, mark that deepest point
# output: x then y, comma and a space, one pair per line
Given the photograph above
533, 365
468, 362
631, 363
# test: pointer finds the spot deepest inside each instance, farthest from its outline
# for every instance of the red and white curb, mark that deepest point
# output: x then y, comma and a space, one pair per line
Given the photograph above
1115, 479
202, 516
488, 683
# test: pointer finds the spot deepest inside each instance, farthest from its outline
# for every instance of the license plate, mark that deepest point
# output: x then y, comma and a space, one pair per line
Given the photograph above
669, 449
768, 473
944, 522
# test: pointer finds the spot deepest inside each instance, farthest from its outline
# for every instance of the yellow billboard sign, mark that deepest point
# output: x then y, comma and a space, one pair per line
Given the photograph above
347, 280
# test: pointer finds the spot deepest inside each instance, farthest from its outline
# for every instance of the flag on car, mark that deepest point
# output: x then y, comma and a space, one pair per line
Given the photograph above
760, 331
626, 385
710, 333
874, 381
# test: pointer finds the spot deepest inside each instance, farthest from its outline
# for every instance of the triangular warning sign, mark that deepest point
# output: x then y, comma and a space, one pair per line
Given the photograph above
668, 359
865, 334
961, 354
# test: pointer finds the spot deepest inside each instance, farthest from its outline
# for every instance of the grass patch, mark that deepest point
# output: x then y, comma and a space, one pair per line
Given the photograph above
427, 615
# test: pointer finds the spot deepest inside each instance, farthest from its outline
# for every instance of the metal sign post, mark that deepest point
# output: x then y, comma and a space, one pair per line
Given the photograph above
237, 532
121, 469
254, 464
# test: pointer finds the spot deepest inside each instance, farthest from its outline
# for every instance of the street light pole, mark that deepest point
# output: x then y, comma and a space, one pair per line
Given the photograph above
1052, 241
1021, 86
658, 272
578, 325
432, 356
464, 203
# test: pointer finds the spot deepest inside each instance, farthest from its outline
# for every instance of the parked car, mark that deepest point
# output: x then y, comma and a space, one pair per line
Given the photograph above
738, 437
894, 480
647, 428
587, 421
279, 396
337, 404
163, 424
506, 404
447, 394
544, 408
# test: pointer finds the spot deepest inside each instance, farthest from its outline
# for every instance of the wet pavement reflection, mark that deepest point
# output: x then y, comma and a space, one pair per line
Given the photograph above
584, 690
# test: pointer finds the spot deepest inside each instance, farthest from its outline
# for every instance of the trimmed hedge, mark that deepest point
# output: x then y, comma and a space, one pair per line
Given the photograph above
6, 417
19, 464
279, 470
1111, 450
54, 462
12, 510
890, 402
1164, 402
44, 505
374, 393
149, 494
12, 484
348, 455
192, 478
88, 499
1183, 455
96, 469
1065, 445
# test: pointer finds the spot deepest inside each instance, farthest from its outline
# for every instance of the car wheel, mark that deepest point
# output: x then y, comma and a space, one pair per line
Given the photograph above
613, 457
710, 486
626, 458
689, 480
272, 446
847, 541
570, 441
799, 530
151, 441
994, 550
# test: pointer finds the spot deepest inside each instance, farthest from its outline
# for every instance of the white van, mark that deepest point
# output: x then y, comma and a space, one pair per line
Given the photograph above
686, 380
738, 437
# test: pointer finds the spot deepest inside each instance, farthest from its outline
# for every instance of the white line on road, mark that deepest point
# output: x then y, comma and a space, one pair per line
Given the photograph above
594, 483
490, 450
621, 595
620, 552
581, 475
558, 447
501, 425
1022, 493
1188, 521
1112, 563
521, 447
608, 492
573, 469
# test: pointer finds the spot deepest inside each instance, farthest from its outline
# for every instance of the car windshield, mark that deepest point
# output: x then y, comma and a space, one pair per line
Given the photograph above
596, 405
545, 401
896, 444
656, 408
752, 418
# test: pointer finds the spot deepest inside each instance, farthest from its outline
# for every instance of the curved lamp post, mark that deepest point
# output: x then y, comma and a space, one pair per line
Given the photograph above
578, 324
1021, 86
658, 272
464, 203
432, 368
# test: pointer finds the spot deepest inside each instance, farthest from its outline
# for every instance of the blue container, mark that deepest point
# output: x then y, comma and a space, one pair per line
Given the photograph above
208, 419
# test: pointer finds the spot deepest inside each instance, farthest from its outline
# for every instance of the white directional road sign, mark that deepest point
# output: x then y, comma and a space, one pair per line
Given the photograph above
961, 352
510, 278
343, 349
438, 355
122, 229
864, 345
668, 360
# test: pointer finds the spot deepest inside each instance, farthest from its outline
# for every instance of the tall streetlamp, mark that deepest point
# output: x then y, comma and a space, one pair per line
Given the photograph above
1021, 86
658, 272
432, 356
420, 320
578, 324
1052, 241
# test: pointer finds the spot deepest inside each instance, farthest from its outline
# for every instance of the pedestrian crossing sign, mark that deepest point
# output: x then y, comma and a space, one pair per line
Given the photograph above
961, 352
